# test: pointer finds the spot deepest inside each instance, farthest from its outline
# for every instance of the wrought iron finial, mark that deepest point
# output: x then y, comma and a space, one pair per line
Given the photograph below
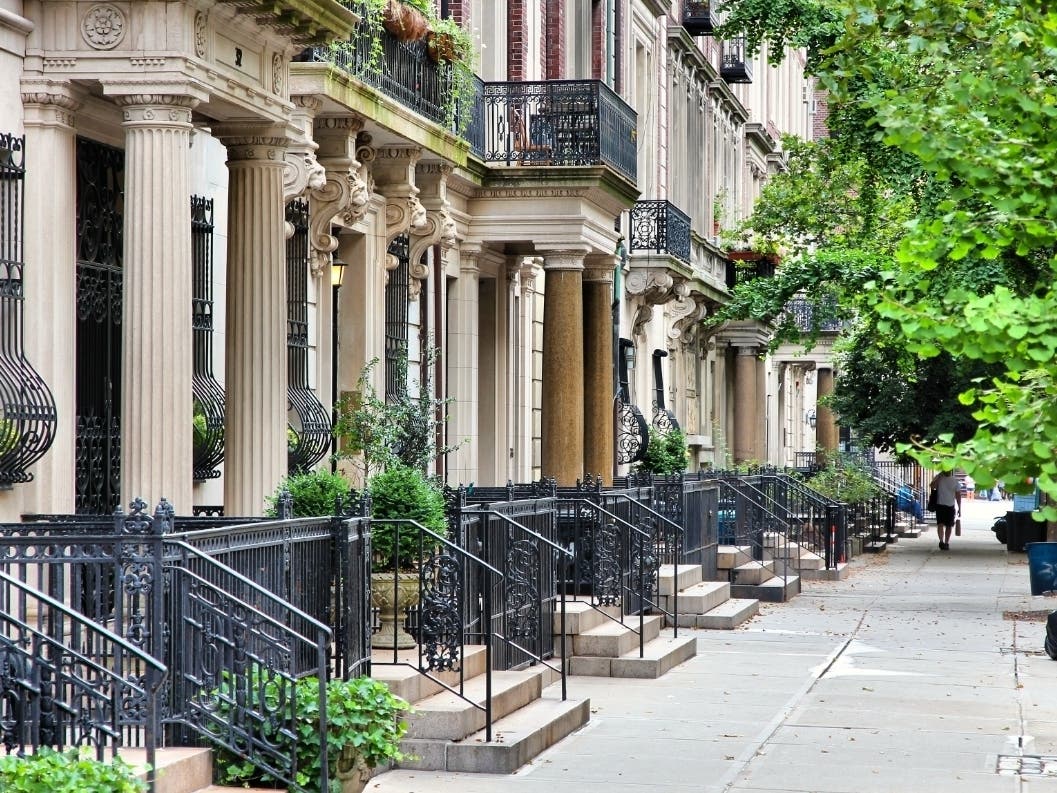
164, 517
138, 520
285, 505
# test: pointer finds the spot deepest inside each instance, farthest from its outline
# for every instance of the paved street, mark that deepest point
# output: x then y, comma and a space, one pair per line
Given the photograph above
912, 674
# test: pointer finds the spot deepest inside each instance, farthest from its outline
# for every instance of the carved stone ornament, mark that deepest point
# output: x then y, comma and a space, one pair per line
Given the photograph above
200, 34
686, 314
439, 229
655, 288
402, 215
103, 26
278, 74
343, 196
301, 172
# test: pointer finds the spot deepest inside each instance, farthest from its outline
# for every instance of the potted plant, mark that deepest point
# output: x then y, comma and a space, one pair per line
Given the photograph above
665, 453
401, 493
407, 21
364, 728
314, 493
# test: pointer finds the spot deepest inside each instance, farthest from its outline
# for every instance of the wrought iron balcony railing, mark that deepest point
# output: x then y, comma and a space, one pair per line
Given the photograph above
403, 71
660, 227
737, 66
700, 18
746, 265
558, 122
806, 315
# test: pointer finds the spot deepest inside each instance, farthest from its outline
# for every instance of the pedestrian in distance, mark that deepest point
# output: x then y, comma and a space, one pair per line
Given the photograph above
948, 505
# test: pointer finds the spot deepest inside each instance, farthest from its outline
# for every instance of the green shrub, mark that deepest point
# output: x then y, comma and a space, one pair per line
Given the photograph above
314, 493
846, 483
402, 492
665, 452
363, 716
72, 770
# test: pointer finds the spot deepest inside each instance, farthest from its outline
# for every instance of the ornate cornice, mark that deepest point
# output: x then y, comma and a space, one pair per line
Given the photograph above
52, 101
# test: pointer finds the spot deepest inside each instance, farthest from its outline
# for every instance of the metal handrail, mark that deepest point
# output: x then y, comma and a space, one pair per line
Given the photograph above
486, 605
71, 657
562, 620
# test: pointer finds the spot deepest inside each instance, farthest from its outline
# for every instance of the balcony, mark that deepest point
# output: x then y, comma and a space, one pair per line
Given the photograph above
736, 67
555, 123
699, 18
747, 265
403, 71
660, 227
809, 317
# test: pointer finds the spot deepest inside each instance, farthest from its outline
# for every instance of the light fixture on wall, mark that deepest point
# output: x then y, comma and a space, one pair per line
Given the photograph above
627, 349
337, 275
337, 272
810, 418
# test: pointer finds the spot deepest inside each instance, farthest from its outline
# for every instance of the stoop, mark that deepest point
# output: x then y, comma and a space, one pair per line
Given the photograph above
773, 590
704, 604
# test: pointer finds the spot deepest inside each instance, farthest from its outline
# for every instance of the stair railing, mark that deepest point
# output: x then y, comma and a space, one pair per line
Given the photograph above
455, 591
758, 521
99, 692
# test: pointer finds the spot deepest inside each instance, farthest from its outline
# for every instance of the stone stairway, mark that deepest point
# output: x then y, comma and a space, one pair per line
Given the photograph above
183, 770
907, 527
793, 558
703, 604
446, 733
751, 578
600, 646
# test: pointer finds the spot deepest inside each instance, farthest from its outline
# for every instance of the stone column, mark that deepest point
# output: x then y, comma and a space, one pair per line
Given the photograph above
255, 353
461, 352
825, 424
745, 409
157, 343
599, 456
563, 366
526, 453
51, 280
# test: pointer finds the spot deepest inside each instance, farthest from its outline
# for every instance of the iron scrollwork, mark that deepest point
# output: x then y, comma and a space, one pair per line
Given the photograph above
440, 610
632, 433
208, 393
522, 576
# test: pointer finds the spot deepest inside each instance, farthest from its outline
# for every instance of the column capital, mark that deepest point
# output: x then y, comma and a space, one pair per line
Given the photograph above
262, 142
564, 259
49, 102
599, 269
156, 110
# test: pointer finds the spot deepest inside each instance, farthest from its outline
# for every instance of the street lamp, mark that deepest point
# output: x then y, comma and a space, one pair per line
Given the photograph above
811, 419
337, 274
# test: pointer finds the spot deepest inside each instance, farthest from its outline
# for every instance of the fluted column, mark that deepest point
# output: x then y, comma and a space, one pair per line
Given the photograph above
826, 435
255, 352
563, 366
50, 280
599, 422
156, 348
462, 352
745, 408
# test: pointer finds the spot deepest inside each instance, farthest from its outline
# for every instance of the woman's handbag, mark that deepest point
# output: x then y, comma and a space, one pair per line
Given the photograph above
931, 506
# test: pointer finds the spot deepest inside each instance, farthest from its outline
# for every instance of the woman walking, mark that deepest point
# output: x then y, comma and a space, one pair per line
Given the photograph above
948, 505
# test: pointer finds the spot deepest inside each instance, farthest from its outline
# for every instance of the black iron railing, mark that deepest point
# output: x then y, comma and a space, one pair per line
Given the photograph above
736, 66
208, 394
402, 70
810, 317
309, 427
660, 227
558, 122
700, 17
27, 407
747, 266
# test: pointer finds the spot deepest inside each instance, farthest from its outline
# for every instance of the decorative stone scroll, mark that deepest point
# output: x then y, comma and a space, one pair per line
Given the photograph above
686, 314
439, 227
655, 288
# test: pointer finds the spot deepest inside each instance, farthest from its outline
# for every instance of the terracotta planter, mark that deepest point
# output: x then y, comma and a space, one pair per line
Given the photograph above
391, 611
404, 22
352, 772
441, 47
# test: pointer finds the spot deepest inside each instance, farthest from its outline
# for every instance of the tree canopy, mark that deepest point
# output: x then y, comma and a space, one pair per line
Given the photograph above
930, 216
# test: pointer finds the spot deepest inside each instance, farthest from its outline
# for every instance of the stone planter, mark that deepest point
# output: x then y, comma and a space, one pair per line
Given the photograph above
391, 611
351, 772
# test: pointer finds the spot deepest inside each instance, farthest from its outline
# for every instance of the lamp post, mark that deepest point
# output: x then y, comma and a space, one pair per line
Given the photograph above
337, 273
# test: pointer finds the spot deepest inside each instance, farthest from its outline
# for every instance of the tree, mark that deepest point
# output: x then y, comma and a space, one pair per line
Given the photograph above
954, 103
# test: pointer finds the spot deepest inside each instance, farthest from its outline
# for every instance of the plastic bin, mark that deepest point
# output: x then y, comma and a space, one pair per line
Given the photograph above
1042, 566
1021, 529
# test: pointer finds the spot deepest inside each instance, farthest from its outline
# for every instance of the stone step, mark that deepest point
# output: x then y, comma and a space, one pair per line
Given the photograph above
180, 769
581, 616
910, 532
613, 639
698, 599
689, 574
774, 590
404, 680
838, 573
516, 739
658, 656
752, 573
805, 560
730, 556
874, 546
448, 716
729, 615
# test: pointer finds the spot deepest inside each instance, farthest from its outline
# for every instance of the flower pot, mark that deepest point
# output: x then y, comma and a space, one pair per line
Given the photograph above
391, 610
352, 773
441, 47
404, 22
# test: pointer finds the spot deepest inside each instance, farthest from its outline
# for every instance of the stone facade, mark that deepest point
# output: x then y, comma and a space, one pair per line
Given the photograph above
511, 266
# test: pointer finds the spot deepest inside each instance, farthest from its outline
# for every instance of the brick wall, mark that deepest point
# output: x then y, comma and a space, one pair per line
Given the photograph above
820, 125
517, 44
598, 42
554, 38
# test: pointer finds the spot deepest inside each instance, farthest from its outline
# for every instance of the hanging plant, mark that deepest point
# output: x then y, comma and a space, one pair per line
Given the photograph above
404, 21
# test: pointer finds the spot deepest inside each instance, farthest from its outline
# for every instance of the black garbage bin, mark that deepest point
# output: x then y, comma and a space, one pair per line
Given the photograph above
1021, 529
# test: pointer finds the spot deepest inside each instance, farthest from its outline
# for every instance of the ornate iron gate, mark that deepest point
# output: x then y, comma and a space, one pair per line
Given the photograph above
100, 251
208, 394
396, 330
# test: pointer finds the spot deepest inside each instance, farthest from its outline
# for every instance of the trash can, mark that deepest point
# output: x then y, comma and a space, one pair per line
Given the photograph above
1042, 566
1021, 529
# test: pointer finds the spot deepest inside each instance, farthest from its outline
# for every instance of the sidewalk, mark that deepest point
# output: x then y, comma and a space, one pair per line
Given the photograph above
912, 674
